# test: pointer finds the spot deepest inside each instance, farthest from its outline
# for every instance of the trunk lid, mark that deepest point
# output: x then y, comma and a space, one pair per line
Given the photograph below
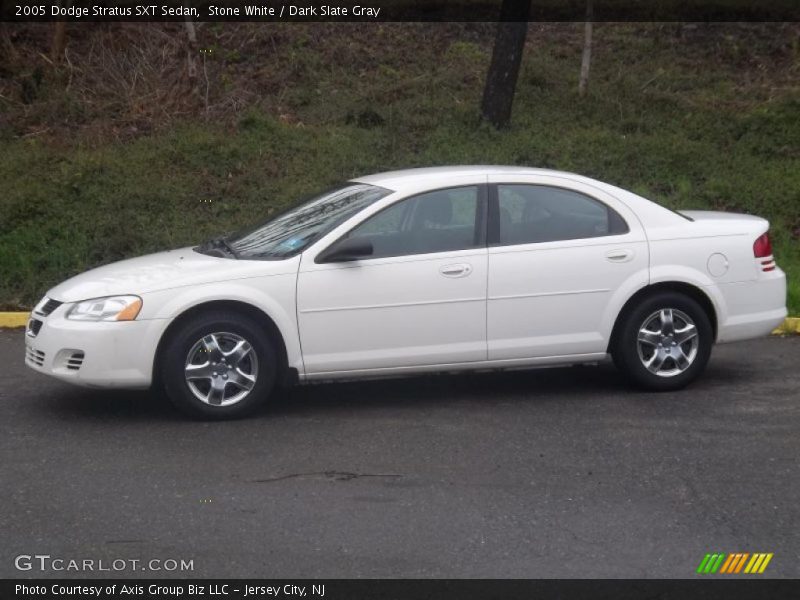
726, 218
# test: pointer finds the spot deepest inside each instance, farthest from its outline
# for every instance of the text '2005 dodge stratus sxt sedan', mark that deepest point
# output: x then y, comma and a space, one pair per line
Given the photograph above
437, 269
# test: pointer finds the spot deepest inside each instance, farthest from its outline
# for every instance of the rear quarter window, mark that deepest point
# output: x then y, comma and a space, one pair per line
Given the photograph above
538, 213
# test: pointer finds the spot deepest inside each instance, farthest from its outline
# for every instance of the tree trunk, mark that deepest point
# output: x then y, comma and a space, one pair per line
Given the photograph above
191, 48
586, 59
59, 42
501, 80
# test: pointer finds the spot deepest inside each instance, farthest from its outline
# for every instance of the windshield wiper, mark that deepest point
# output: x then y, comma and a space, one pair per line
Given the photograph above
221, 243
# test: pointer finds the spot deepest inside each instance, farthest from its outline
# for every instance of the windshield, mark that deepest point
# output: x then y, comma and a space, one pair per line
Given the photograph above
292, 231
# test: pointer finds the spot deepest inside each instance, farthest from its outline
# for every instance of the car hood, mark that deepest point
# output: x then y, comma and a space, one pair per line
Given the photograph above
162, 271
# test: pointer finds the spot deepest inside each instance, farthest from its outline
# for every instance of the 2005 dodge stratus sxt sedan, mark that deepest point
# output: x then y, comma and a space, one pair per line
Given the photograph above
422, 270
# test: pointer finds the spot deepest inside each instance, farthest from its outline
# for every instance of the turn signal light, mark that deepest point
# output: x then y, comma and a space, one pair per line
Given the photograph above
129, 313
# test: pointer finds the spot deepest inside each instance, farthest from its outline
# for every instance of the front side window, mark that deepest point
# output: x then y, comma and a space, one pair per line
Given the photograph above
438, 221
293, 231
529, 214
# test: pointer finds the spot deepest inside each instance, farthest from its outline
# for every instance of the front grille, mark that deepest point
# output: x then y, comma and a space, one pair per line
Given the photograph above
75, 361
35, 357
48, 307
34, 325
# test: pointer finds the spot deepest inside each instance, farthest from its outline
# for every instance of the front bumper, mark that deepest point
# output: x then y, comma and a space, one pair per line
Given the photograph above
103, 354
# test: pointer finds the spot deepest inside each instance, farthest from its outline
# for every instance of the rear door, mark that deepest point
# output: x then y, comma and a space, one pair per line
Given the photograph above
563, 257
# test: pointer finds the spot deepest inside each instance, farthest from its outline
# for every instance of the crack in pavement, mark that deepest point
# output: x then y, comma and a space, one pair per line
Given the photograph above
327, 475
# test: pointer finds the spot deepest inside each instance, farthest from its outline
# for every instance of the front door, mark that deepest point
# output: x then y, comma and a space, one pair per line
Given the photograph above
418, 300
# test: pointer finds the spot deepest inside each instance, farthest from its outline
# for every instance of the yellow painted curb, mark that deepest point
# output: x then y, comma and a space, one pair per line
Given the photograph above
14, 319
20, 319
790, 325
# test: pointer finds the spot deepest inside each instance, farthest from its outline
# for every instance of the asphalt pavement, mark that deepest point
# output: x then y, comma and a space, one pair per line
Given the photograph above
548, 473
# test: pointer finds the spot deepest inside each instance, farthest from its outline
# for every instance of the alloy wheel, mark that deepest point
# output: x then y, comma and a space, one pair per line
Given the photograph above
667, 342
221, 369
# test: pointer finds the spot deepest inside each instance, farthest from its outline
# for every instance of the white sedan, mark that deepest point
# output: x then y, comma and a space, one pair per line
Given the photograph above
438, 269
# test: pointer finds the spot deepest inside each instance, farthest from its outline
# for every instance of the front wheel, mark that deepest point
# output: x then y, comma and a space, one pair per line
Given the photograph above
218, 366
664, 343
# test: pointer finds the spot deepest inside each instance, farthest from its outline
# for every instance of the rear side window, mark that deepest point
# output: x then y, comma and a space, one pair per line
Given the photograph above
439, 221
538, 213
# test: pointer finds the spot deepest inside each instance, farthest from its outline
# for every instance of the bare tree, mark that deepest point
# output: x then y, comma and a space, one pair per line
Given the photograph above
501, 80
191, 47
586, 59
59, 42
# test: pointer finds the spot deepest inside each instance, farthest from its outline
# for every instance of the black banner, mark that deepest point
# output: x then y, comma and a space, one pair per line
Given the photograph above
394, 10
736, 587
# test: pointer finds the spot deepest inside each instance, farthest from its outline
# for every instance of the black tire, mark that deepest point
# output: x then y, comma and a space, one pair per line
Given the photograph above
185, 337
626, 353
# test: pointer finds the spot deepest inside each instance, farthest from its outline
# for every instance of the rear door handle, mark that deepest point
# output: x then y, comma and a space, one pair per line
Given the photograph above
459, 270
619, 255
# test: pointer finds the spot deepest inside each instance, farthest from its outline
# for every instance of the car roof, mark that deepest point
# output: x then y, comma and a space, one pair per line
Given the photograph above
396, 179
648, 212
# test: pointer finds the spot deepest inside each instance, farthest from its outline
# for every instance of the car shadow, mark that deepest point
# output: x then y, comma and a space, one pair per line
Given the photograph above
113, 405
475, 387
578, 383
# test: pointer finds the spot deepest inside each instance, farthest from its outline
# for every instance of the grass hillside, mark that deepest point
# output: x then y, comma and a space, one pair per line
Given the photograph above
115, 152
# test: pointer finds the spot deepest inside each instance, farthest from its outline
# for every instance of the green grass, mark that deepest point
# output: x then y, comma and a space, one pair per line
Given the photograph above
682, 124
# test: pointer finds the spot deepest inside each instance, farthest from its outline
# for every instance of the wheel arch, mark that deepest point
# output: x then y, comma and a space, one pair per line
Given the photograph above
285, 374
681, 287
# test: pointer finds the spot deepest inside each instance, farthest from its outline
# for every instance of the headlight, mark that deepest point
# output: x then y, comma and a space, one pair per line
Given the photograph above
113, 308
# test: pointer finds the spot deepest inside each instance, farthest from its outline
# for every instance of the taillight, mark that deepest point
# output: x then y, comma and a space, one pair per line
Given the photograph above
762, 247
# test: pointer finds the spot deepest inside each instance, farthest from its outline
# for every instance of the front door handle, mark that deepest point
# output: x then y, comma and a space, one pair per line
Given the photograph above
459, 270
619, 255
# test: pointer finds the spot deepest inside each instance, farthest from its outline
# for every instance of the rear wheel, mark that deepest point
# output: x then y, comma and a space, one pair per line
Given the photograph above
218, 365
665, 342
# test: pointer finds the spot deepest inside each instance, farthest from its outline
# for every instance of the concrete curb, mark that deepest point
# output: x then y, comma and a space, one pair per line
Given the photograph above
20, 319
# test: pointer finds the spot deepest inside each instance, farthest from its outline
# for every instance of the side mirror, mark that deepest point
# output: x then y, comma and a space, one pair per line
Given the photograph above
347, 250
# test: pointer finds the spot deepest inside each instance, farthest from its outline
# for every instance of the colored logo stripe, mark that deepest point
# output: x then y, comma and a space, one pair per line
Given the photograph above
758, 563
710, 563
734, 563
